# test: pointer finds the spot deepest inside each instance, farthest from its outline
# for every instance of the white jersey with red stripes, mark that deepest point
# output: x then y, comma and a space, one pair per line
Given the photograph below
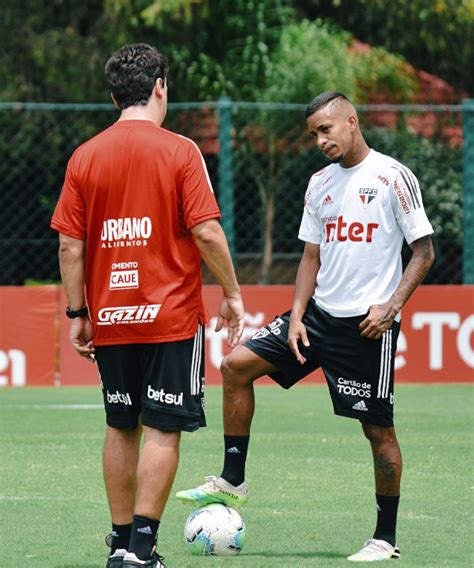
359, 217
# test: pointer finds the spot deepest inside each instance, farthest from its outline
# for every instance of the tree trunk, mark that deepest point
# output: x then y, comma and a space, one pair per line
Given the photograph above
267, 260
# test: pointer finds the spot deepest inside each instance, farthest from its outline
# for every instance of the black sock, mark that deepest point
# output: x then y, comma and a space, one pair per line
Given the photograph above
120, 537
387, 507
235, 457
143, 537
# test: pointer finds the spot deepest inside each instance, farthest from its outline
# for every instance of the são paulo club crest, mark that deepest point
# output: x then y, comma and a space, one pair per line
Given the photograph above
367, 195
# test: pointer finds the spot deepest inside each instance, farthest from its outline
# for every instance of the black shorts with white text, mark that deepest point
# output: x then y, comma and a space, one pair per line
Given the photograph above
163, 383
359, 371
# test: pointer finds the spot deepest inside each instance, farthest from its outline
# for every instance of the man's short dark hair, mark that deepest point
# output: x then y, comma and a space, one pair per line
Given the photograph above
322, 100
132, 72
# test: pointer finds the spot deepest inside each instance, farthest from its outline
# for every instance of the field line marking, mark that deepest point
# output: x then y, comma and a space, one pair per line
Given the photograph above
35, 498
53, 406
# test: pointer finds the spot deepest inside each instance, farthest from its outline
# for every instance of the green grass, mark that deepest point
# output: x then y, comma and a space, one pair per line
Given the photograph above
310, 474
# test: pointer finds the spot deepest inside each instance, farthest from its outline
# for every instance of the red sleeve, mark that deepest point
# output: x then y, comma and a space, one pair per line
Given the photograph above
198, 199
69, 217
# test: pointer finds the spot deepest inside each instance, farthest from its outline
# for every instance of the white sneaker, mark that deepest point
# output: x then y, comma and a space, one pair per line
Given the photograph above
216, 490
115, 560
131, 560
374, 550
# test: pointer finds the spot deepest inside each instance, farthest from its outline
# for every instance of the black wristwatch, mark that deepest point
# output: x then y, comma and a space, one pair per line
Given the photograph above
71, 314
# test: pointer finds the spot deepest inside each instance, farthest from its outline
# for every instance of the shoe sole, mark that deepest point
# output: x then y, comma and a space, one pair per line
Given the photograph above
131, 563
211, 499
395, 556
115, 563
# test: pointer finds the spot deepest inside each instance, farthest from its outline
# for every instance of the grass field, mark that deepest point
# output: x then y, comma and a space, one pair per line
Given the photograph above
310, 473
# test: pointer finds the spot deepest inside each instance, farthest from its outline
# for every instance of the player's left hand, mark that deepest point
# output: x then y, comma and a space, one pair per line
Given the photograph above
378, 320
231, 311
81, 338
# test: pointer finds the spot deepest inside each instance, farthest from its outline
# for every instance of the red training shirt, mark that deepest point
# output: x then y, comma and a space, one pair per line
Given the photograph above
133, 192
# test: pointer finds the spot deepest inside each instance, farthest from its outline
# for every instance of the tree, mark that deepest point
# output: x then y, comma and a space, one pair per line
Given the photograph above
250, 50
433, 36
296, 74
293, 75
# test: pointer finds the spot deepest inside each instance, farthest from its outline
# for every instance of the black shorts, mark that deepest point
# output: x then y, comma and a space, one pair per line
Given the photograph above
359, 372
161, 382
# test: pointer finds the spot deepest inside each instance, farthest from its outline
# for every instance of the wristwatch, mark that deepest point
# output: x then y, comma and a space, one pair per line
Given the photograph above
71, 314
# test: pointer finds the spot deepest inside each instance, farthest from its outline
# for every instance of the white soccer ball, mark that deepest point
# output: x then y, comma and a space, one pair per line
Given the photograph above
214, 530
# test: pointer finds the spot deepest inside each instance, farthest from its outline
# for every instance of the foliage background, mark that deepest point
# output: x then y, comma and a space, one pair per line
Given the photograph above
263, 51
55, 51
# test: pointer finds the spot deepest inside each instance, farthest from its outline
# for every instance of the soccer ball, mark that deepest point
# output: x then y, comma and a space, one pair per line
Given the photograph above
214, 530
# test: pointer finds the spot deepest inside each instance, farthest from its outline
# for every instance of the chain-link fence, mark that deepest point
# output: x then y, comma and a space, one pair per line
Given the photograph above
259, 157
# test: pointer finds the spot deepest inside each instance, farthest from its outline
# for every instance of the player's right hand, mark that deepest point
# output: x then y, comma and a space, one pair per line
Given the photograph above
297, 332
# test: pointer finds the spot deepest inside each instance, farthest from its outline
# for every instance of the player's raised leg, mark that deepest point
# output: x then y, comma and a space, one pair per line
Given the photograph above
239, 371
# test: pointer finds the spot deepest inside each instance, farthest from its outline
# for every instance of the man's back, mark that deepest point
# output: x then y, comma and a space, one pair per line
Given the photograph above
135, 216
132, 192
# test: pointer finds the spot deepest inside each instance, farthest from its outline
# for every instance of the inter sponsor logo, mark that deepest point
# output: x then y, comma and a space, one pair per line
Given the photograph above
126, 231
165, 397
123, 279
119, 398
128, 314
342, 231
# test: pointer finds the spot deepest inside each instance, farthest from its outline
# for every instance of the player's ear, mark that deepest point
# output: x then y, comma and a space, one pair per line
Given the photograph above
114, 100
160, 85
352, 122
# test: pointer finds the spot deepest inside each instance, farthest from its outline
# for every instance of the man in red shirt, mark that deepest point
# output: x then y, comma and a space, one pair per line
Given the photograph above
136, 215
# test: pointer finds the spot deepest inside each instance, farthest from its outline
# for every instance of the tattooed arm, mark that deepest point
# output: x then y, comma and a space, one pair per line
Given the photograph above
380, 317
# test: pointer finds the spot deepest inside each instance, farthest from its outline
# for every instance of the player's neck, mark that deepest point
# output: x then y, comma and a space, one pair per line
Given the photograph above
359, 152
147, 112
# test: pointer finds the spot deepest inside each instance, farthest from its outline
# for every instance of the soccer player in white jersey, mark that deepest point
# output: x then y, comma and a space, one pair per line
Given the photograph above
358, 210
